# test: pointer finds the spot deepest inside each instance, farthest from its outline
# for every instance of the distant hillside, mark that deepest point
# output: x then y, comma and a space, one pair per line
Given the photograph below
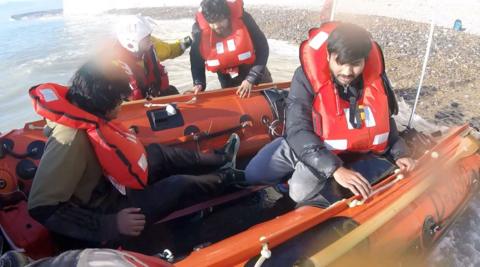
38, 14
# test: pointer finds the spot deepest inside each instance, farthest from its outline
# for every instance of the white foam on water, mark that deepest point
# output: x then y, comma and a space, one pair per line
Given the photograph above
52, 17
283, 48
283, 60
40, 62
461, 245
163, 29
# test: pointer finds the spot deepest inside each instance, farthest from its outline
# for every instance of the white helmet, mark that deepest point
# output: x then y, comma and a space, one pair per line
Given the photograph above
131, 30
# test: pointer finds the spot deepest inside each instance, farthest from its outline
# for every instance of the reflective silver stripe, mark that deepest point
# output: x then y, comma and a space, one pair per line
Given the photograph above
245, 56
213, 63
130, 137
142, 162
48, 95
318, 40
104, 263
380, 139
220, 48
117, 186
231, 45
369, 118
336, 144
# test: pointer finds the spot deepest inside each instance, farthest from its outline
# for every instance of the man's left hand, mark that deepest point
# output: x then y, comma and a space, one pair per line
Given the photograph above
405, 164
244, 89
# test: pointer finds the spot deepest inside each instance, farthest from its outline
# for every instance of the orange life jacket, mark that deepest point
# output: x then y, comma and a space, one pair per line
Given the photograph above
222, 54
121, 155
331, 113
147, 78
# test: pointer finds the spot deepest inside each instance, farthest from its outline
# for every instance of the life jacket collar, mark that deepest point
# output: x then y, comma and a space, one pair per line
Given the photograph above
358, 121
121, 155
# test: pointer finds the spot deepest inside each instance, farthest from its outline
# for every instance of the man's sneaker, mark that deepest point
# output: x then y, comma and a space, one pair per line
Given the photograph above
230, 150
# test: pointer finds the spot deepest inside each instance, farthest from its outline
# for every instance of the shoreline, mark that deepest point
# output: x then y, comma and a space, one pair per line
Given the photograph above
37, 14
443, 12
451, 89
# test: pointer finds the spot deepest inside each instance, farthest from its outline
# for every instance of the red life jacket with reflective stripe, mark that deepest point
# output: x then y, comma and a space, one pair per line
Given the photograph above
121, 155
221, 54
331, 113
142, 76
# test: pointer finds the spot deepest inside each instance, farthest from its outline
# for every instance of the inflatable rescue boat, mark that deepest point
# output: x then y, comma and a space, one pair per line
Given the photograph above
260, 226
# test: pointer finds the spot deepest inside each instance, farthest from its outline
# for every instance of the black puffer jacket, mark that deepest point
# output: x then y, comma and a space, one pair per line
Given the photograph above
305, 143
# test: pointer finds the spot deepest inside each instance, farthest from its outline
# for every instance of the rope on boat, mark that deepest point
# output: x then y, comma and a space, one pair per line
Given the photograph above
265, 253
398, 177
422, 76
193, 100
272, 128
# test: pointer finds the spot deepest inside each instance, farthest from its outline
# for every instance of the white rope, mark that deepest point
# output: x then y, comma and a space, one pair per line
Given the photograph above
424, 68
193, 100
265, 254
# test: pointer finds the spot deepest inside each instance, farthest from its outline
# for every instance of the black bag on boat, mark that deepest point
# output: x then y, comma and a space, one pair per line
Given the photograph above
374, 168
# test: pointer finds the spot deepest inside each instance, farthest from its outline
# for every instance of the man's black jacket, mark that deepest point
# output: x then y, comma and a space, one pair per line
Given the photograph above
308, 147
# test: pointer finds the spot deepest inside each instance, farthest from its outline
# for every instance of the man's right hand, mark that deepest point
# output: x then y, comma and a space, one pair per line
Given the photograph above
354, 181
130, 221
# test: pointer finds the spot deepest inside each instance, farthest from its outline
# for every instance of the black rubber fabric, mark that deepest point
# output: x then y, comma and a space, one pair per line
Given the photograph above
372, 167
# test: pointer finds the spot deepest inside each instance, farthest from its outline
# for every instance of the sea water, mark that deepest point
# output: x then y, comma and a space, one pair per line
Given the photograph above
35, 51
50, 49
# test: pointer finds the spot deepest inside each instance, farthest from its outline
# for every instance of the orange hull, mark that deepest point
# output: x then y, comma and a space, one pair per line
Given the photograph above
203, 124
443, 202
206, 125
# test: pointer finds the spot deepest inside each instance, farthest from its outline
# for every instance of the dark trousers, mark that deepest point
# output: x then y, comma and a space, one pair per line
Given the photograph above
177, 178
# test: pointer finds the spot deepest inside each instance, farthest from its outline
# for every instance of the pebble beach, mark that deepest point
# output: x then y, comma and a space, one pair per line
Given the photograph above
451, 89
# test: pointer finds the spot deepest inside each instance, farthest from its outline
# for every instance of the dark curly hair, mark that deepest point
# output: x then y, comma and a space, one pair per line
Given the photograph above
351, 42
215, 10
98, 89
